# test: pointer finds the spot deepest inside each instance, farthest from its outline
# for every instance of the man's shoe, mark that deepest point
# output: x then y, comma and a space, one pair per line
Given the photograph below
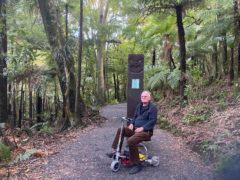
110, 155
135, 169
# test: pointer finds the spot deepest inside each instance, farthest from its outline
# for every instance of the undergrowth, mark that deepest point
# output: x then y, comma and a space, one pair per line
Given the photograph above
198, 113
5, 153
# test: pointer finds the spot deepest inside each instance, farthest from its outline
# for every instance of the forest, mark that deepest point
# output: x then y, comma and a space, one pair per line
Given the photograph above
61, 61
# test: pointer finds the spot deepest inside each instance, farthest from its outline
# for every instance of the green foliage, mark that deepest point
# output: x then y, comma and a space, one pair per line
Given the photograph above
222, 105
46, 128
209, 150
196, 83
197, 114
192, 92
5, 153
220, 95
173, 78
165, 124
221, 98
159, 77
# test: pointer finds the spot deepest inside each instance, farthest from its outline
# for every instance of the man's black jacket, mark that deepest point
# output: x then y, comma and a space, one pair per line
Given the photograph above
145, 116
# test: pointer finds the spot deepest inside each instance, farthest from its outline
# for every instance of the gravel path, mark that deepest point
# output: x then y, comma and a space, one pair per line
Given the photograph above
85, 158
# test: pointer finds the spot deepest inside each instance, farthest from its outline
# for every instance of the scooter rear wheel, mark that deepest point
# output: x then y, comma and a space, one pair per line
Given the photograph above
115, 166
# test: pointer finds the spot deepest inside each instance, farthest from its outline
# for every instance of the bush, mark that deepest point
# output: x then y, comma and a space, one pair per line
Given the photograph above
163, 123
160, 77
221, 105
209, 150
5, 153
197, 114
46, 128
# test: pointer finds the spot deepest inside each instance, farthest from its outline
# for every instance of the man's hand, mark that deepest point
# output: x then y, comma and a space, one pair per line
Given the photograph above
130, 126
139, 129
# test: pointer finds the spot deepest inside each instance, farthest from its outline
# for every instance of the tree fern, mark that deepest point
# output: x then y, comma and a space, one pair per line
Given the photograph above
159, 77
173, 78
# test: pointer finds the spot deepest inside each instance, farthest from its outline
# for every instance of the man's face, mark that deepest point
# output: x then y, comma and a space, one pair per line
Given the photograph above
145, 97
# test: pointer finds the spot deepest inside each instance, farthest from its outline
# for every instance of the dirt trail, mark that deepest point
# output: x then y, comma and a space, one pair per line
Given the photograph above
85, 157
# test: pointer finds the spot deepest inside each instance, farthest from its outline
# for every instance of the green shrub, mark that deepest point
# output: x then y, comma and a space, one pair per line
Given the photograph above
197, 114
209, 150
222, 105
194, 92
160, 77
5, 153
163, 123
221, 95
46, 128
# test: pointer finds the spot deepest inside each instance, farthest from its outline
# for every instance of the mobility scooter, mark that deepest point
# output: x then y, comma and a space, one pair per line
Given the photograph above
123, 157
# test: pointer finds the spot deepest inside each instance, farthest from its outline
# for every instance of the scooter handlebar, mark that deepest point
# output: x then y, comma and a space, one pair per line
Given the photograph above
124, 118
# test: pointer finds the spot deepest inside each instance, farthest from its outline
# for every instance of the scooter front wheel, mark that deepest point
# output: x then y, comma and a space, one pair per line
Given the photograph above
115, 166
155, 161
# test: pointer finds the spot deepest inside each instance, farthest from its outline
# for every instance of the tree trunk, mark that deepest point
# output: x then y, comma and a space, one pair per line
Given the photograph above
55, 99
100, 74
238, 55
3, 65
61, 55
79, 105
30, 102
20, 115
9, 99
39, 107
14, 107
10, 105
66, 21
24, 101
154, 57
224, 54
115, 86
237, 41
181, 37
101, 42
106, 76
215, 60
231, 66
118, 88
44, 101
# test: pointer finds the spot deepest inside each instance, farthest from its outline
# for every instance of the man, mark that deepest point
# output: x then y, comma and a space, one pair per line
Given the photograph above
140, 129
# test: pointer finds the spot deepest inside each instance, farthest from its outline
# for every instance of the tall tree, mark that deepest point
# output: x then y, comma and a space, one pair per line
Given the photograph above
236, 7
178, 6
3, 66
60, 53
78, 101
101, 42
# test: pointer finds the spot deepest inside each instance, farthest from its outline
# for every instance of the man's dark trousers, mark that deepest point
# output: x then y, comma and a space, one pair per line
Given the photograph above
133, 141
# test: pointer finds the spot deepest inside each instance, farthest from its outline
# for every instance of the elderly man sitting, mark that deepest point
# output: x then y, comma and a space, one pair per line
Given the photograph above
140, 129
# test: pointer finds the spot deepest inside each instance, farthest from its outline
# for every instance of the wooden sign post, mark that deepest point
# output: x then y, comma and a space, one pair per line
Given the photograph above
135, 82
